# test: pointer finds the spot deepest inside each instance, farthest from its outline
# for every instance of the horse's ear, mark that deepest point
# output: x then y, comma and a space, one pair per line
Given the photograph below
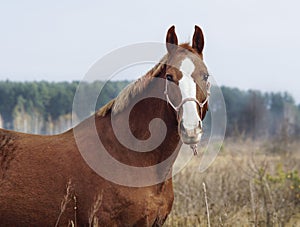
198, 40
171, 39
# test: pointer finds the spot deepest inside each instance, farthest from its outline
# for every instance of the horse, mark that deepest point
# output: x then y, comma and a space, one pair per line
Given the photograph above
45, 180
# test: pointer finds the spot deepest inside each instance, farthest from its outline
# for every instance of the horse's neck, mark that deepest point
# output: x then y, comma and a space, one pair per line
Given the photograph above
135, 120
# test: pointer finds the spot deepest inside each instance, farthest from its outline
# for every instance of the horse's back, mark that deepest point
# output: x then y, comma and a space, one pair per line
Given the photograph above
27, 152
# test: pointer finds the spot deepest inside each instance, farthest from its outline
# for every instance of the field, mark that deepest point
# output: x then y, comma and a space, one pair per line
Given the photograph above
249, 184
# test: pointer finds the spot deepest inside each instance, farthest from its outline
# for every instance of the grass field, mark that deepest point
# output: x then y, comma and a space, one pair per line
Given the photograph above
249, 184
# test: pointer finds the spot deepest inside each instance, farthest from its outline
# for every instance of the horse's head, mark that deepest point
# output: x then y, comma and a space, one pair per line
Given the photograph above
187, 86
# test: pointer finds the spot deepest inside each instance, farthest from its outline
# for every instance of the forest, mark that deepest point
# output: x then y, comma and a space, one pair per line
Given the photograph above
46, 107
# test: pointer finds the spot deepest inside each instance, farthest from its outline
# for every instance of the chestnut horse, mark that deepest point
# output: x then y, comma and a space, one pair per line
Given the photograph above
45, 181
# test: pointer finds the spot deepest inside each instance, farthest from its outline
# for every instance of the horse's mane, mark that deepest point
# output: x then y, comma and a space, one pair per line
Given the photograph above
118, 104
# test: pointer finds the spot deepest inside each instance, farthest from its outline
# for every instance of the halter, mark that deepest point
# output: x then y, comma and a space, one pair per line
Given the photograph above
189, 99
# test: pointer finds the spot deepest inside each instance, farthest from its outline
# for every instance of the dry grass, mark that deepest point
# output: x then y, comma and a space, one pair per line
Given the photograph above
93, 219
247, 185
66, 199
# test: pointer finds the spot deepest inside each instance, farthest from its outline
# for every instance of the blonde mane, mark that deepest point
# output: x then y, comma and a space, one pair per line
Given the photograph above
118, 104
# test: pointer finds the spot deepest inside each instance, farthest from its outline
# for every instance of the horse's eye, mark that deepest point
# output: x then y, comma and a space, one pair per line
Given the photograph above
205, 77
169, 77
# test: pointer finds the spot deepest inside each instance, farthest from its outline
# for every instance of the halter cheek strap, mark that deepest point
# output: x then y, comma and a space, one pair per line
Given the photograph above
177, 108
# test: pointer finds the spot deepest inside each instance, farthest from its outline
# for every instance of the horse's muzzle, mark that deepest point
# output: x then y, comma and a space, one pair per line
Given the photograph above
190, 136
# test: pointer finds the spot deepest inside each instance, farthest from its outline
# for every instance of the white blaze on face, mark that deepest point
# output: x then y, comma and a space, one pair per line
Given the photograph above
188, 90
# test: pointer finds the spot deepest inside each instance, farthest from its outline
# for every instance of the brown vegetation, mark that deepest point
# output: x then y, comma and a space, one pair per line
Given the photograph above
247, 185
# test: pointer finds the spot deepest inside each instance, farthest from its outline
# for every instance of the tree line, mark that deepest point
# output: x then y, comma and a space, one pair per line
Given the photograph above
257, 114
38, 106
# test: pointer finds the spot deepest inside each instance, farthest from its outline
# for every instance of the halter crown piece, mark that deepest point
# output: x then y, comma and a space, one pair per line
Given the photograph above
193, 146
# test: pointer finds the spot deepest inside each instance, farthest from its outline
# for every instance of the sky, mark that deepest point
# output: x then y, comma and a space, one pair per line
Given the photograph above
250, 44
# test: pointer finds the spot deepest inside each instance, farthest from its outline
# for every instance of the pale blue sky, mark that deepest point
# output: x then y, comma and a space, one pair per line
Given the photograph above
249, 43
